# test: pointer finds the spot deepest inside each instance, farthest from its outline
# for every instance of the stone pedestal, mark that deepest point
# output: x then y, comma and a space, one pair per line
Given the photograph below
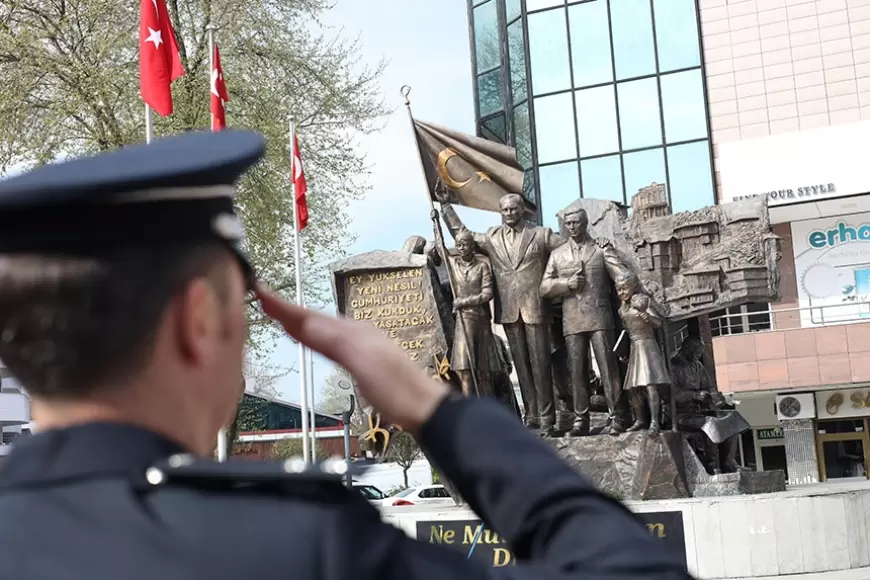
632, 466
637, 466
740, 483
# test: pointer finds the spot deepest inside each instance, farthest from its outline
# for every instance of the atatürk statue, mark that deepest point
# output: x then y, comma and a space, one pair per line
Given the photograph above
581, 272
702, 409
518, 254
473, 345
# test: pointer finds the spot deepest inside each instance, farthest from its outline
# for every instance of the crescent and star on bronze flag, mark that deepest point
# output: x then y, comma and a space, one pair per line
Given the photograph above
441, 167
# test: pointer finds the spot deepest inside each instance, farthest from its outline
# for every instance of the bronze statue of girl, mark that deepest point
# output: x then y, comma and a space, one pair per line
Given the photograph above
647, 370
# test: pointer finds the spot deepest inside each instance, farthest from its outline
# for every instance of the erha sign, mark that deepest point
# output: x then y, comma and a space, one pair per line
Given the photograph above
842, 233
792, 195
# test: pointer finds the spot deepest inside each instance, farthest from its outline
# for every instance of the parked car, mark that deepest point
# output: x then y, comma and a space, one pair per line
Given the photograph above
370, 492
420, 495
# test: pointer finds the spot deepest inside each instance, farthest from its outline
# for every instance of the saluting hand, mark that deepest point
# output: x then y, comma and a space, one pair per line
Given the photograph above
386, 378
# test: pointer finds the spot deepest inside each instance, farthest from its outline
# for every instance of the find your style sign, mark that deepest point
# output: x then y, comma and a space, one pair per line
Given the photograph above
794, 194
467, 537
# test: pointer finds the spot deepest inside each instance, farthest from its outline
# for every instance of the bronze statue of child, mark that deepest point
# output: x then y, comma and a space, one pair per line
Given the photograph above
647, 370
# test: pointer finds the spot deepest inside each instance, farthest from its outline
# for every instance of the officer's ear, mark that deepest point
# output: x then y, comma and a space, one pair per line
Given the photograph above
198, 317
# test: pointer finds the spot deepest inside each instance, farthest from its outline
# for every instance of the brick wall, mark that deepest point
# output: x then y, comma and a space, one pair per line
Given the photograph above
775, 66
802, 357
263, 450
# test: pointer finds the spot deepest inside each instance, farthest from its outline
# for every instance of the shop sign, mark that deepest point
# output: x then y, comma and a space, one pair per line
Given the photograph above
793, 194
832, 262
769, 434
492, 549
837, 404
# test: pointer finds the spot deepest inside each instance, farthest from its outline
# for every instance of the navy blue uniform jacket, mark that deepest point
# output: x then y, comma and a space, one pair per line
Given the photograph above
75, 505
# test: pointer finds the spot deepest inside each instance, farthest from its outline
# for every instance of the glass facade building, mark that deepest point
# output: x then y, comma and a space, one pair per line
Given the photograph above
599, 97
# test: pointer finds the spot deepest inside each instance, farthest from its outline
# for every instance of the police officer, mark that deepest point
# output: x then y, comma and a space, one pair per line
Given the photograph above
122, 310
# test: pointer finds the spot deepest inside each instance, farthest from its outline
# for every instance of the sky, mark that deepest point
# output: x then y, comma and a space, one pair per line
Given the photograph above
426, 46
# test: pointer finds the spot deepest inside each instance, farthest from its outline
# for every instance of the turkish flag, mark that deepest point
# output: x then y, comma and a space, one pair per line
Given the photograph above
159, 61
219, 94
300, 187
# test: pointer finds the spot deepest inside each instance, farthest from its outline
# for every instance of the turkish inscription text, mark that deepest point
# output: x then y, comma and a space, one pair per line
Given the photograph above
395, 302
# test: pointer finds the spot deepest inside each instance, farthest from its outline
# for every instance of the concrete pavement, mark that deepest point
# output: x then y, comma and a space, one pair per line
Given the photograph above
857, 574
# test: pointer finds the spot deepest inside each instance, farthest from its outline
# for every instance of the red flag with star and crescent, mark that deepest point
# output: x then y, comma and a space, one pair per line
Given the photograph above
159, 61
300, 186
219, 95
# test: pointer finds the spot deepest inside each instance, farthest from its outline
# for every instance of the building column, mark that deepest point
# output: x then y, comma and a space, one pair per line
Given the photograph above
800, 451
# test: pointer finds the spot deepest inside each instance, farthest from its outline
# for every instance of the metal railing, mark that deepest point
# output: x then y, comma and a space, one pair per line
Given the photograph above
775, 319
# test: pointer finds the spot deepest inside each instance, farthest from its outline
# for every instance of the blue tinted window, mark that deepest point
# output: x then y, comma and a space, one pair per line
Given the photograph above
513, 8
691, 183
676, 34
602, 178
639, 116
641, 169
529, 185
596, 121
554, 131
548, 51
590, 43
633, 49
539, 4
495, 128
489, 92
560, 185
523, 135
683, 106
517, 60
486, 46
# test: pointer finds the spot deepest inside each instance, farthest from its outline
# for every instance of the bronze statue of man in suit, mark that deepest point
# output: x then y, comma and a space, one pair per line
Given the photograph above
518, 254
581, 272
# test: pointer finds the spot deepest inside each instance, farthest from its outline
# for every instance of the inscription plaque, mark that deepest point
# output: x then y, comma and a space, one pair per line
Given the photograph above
393, 291
493, 550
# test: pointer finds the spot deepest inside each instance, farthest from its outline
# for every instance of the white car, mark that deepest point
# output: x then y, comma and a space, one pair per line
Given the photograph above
370, 492
421, 495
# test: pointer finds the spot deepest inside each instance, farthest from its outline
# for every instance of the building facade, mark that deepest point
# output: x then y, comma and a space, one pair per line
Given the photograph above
599, 97
264, 421
14, 411
719, 100
789, 100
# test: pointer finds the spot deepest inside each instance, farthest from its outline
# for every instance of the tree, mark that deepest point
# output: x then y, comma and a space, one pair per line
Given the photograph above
70, 87
404, 451
260, 379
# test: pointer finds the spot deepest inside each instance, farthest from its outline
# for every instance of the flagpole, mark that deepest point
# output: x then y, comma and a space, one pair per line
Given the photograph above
439, 239
303, 368
222, 434
312, 404
210, 28
149, 128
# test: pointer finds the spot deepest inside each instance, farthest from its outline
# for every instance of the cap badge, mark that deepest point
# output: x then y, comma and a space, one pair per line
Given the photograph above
228, 227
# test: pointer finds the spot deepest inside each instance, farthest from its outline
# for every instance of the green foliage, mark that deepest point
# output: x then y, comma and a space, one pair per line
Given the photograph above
436, 477
404, 451
70, 86
251, 414
290, 448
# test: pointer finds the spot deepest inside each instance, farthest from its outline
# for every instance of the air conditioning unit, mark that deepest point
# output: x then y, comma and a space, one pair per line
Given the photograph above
797, 406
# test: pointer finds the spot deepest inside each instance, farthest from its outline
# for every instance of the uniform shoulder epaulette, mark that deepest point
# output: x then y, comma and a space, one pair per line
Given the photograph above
293, 477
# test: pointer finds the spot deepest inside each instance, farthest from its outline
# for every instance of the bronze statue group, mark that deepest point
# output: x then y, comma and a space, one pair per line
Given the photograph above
560, 300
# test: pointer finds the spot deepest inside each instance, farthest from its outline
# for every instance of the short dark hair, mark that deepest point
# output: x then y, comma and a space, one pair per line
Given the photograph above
70, 326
